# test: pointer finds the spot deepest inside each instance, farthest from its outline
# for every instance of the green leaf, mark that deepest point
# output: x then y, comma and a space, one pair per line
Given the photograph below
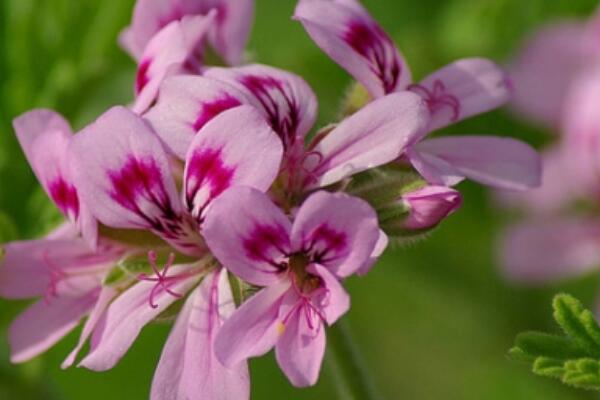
573, 358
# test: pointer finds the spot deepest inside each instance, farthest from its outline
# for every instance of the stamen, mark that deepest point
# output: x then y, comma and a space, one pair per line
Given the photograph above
56, 275
162, 280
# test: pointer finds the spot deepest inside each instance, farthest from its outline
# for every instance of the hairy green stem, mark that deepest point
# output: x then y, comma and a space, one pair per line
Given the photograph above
345, 363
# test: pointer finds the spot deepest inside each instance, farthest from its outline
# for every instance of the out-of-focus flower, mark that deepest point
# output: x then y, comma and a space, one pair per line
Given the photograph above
233, 21
299, 264
352, 38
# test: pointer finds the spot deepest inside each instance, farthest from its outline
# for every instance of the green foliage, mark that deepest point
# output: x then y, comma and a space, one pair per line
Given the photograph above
573, 358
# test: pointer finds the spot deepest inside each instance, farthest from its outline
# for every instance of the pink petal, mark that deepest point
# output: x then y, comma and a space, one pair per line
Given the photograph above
375, 135
353, 39
380, 246
45, 136
186, 103
496, 161
220, 157
43, 324
28, 266
107, 294
188, 367
232, 30
300, 350
462, 89
544, 69
248, 234
174, 50
336, 301
126, 179
127, 315
252, 330
285, 99
430, 205
539, 251
340, 231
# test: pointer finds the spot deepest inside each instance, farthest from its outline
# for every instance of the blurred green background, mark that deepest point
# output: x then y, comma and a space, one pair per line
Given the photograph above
433, 319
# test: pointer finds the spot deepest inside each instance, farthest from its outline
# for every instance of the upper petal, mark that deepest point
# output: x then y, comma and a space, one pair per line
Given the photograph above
44, 323
539, 251
285, 99
462, 89
175, 49
188, 367
127, 315
352, 38
380, 246
185, 104
45, 136
544, 69
252, 330
496, 161
235, 148
248, 234
232, 30
375, 135
337, 230
126, 179
334, 301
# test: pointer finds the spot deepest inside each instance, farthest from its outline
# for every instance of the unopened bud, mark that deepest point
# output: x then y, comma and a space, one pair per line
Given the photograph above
419, 210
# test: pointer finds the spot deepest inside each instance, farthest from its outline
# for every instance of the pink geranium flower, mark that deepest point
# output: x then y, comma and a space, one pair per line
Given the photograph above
352, 38
300, 265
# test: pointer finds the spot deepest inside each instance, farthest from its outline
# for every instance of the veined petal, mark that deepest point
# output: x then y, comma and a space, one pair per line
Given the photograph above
496, 161
188, 367
220, 157
128, 314
337, 230
45, 136
126, 180
300, 349
31, 268
375, 135
546, 250
285, 99
232, 30
44, 323
176, 49
545, 68
352, 38
462, 89
185, 104
248, 234
107, 294
253, 329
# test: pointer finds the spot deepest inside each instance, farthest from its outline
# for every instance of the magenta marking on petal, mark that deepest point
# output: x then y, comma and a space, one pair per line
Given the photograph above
65, 196
142, 78
272, 94
324, 243
206, 167
268, 243
211, 109
371, 42
437, 98
139, 181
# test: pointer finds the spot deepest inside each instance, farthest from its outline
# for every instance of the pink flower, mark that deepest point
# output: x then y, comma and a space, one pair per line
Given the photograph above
300, 265
350, 36
374, 136
228, 35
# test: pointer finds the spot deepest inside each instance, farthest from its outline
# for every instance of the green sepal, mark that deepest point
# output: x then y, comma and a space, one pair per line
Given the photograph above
241, 290
573, 358
134, 237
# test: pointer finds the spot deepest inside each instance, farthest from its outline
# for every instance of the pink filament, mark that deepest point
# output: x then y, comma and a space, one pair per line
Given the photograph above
163, 282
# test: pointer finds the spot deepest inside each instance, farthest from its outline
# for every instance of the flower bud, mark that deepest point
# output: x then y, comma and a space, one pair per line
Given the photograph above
429, 206
419, 210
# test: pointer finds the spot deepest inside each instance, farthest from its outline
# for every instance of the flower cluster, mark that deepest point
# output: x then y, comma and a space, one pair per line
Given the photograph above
557, 75
208, 200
